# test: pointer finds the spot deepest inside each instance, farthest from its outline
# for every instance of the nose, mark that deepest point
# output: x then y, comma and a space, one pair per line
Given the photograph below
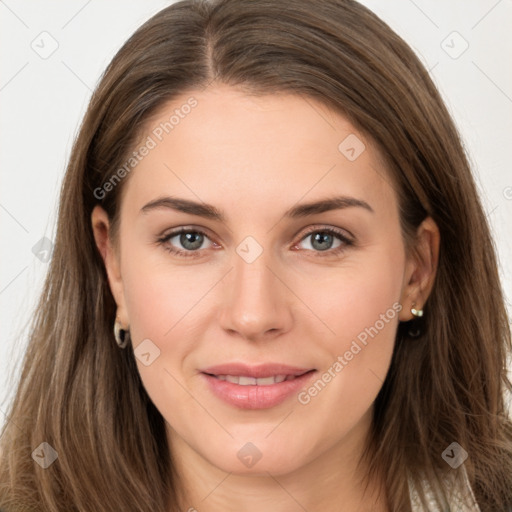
257, 301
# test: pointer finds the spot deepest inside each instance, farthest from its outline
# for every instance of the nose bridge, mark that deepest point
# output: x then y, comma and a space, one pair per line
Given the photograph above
252, 279
256, 303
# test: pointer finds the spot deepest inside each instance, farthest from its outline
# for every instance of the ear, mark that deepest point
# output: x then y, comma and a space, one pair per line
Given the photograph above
421, 268
111, 259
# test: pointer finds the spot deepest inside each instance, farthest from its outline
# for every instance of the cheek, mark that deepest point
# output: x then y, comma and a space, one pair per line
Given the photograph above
165, 306
363, 294
159, 293
154, 302
360, 303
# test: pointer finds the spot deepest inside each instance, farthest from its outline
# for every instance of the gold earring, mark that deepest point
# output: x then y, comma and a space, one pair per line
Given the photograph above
416, 312
121, 335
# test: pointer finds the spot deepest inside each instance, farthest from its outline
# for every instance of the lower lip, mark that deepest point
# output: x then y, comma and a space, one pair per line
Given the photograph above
256, 397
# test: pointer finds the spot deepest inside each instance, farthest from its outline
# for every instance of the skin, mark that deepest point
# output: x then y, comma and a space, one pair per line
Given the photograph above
253, 158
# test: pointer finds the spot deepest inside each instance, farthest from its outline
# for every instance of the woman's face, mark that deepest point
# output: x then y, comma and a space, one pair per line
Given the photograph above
261, 277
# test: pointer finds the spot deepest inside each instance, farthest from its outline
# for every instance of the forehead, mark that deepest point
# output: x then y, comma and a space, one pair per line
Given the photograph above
215, 142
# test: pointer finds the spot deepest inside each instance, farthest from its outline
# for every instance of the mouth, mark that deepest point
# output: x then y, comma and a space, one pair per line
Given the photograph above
251, 391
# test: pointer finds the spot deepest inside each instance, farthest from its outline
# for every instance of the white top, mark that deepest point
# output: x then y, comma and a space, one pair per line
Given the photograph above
461, 499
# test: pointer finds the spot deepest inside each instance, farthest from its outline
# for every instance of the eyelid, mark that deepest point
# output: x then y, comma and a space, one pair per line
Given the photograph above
166, 234
343, 233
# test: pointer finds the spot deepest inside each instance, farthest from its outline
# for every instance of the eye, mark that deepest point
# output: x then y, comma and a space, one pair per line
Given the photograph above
326, 240
190, 240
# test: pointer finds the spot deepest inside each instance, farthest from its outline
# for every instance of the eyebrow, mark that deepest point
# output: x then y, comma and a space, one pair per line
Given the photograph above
209, 211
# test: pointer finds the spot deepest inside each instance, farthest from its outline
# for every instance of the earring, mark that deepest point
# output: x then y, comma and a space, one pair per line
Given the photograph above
416, 312
414, 332
122, 336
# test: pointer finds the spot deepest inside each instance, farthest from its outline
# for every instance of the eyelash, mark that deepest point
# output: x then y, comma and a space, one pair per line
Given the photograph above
346, 242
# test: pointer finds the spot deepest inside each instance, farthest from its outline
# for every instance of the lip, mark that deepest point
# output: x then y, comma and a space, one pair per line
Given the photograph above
253, 396
258, 372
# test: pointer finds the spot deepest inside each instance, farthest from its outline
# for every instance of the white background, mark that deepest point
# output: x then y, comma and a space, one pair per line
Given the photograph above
42, 101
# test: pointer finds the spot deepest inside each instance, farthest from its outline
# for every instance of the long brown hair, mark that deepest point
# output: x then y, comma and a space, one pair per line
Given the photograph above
83, 396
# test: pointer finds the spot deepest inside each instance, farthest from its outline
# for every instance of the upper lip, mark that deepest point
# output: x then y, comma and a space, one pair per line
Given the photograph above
257, 371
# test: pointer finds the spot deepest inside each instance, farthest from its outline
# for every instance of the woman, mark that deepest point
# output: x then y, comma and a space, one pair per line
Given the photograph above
273, 284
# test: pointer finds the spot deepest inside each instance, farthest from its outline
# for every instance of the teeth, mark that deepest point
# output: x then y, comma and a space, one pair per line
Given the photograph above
247, 381
251, 381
